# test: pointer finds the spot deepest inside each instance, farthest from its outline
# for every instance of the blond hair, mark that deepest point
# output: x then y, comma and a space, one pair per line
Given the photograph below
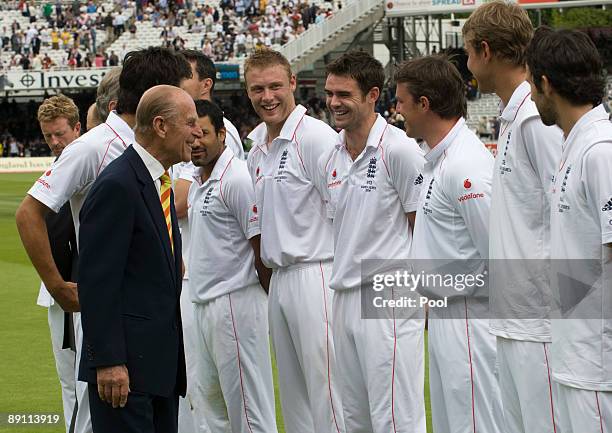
57, 107
505, 27
264, 58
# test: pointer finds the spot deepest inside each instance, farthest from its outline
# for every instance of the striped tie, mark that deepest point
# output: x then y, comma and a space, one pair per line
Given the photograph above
165, 190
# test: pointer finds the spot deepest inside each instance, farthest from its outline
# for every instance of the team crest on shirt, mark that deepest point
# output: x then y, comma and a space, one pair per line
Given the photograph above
503, 168
206, 202
370, 176
562, 206
280, 174
426, 208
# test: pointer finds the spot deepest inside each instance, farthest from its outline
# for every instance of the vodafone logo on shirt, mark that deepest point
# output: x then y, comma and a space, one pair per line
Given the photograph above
48, 173
471, 196
467, 184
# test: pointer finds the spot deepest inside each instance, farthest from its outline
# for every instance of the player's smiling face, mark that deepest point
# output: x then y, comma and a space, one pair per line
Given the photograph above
207, 149
270, 90
345, 101
409, 109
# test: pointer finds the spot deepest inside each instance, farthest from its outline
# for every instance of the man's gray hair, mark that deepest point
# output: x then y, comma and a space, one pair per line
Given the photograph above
108, 91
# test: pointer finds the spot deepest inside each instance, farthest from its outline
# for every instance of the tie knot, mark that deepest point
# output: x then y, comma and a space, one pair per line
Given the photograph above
165, 179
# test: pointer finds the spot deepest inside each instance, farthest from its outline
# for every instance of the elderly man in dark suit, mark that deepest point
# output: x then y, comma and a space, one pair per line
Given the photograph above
130, 274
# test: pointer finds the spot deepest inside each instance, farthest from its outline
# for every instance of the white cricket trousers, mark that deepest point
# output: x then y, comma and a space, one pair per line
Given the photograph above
64, 362
380, 367
464, 389
82, 420
300, 308
583, 411
234, 364
527, 389
191, 417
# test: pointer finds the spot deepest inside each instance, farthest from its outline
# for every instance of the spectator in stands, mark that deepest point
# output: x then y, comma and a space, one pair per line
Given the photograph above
113, 60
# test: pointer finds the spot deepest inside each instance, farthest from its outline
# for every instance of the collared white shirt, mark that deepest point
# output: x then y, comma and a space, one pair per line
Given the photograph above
294, 228
452, 219
232, 139
581, 226
154, 167
529, 154
222, 219
186, 171
74, 172
368, 200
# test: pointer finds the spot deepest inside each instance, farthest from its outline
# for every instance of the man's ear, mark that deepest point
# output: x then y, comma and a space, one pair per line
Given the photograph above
485, 51
160, 126
207, 85
423, 104
112, 105
547, 88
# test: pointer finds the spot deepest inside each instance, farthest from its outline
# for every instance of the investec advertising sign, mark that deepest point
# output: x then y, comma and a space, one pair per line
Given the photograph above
51, 79
426, 7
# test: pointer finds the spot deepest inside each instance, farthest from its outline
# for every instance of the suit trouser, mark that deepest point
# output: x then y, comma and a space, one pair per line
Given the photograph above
143, 413
234, 365
380, 368
82, 421
64, 362
299, 308
464, 390
191, 417
527, 390
583, 411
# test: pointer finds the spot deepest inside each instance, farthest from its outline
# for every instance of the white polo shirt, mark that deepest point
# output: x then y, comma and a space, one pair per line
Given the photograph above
185, 171
529, 154
368, 200
581, 229
74, 172
222, 219
294, 228
453, 213
232, 139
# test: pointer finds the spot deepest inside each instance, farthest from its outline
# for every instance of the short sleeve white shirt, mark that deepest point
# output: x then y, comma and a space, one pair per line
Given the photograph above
529, 154
222, 219
294, 227
74, 172
581, 229
368, 200
453, 212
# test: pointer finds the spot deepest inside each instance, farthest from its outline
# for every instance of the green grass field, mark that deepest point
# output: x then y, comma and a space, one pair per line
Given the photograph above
28, 380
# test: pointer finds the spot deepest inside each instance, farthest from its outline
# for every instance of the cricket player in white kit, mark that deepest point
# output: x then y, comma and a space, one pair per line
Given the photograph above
369, 180
72, 175
567, 86
452, 229
496, 37
234, 367
296, 242
59, 123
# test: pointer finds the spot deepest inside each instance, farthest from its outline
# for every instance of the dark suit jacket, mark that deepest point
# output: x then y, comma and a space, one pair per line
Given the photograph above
130, 281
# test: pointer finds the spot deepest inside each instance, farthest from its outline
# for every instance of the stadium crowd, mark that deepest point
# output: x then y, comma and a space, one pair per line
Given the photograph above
56, 35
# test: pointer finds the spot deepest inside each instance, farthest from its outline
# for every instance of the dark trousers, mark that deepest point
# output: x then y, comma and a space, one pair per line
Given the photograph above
143, 413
